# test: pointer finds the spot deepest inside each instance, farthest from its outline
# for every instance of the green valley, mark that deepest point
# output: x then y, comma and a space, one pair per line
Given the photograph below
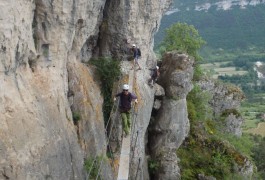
234, 53
235, 42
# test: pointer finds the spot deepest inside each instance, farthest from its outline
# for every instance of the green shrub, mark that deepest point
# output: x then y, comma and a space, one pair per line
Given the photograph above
208, 155
108, 71
184, 38
191, 111
153, 166
206, 151
227, 112
259, 155
243, 144
92, 166
76, 117
198, 105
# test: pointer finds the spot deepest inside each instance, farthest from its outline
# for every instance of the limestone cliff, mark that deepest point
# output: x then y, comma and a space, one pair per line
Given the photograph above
225, 101
171, 124
44, 81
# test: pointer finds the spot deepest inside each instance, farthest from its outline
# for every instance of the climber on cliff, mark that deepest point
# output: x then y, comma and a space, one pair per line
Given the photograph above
136, 55
155, 73
126, 98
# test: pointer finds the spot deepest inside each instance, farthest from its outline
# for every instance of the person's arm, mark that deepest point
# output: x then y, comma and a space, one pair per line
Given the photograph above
119, 94
134, 97
135, 53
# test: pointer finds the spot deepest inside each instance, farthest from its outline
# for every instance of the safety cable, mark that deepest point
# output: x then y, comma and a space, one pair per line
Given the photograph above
95, 158
106, 143
108, 139
114, 123
138, 167
132, 85
133, 147
106, 128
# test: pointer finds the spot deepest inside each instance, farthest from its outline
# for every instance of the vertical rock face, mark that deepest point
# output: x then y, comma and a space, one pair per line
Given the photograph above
130, 22
171, 125
43, 82
38, 38
225, 102
125, 23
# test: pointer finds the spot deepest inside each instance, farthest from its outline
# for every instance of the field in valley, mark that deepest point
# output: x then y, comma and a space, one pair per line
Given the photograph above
251, 112
215, 69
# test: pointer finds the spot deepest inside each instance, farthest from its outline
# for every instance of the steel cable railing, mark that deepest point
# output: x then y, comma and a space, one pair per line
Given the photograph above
111, 132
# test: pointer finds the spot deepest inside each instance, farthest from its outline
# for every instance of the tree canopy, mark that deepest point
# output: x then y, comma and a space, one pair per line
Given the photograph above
184, 38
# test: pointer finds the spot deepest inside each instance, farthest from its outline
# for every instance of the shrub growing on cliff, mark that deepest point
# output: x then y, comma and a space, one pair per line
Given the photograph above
108, 71
184, 38
153, 166
76, 117
227, 112
92, 166
198, 106
208, 155
206, 151
259, 156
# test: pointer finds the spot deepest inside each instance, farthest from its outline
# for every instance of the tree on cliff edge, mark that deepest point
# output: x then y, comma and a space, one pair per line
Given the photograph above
184, 38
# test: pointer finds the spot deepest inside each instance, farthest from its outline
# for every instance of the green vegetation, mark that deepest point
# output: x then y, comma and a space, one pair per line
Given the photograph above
207, 151
227, 33
251, 111
259, 156
108, 71
184, 38
243, 144
92, 166
227, 112
76, 117
235, 38
153, 166
198, 106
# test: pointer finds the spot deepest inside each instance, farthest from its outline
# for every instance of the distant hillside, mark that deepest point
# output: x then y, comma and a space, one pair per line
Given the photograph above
227, 25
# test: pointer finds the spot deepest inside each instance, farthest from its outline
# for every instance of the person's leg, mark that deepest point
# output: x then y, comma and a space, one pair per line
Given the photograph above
137, 59
134, 60
129, 120
153, 80
124, 122
150, 82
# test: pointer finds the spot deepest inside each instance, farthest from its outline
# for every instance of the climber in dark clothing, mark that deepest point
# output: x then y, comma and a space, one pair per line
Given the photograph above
136, 56
126, 98
154, 76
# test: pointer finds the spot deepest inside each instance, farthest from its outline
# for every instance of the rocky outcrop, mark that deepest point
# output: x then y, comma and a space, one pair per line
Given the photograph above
225, 101
171, 124
233, 124
44, 81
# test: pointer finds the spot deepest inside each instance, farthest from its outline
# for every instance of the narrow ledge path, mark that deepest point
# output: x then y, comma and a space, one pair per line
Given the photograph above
124, 163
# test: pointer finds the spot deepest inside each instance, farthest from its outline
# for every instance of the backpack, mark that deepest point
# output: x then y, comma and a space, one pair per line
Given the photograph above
138, 52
